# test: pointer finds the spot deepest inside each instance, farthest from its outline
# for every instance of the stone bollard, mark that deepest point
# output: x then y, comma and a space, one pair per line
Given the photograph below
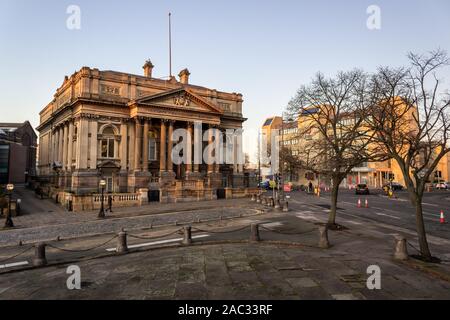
285, 206
258, 198
122, 246
277, 204
187, 239
39, 259
254, 228
253, 197
323, 240
401, 251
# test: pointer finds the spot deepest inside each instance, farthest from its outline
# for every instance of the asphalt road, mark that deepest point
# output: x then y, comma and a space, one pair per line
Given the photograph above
396, 212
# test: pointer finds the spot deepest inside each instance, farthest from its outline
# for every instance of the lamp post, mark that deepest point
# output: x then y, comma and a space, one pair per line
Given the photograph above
9, 223
101, 213
281, 179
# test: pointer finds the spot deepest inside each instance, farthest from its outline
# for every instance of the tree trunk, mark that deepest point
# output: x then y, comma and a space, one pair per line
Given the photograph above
421, 233
333, 207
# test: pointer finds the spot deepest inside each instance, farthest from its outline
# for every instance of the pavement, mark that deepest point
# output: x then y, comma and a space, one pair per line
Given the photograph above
223, 264
43, 220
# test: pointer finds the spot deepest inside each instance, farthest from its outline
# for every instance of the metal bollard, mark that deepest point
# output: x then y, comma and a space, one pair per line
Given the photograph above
258, 198
323, 240
39, 259
254, 228
122, 246
187, 240
285, 206
401, 250
253, 197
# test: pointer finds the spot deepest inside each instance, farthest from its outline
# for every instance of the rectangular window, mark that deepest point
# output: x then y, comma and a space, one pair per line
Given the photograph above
104, 148
110, 148
107, 148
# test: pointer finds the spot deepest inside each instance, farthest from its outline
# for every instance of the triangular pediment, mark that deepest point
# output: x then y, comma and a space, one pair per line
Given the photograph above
182, 98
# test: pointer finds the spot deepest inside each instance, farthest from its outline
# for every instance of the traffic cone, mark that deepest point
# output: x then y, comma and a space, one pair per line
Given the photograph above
442, 218
367, 203
359, 203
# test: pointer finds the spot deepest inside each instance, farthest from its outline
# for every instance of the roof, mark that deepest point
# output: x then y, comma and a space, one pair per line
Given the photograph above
268, 122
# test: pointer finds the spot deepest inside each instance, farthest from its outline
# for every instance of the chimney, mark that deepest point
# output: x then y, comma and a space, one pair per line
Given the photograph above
148, 67
184, 76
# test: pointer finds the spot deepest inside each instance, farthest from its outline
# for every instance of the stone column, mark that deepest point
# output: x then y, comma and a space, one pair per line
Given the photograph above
170, 147
190, 133
82, 144
131, 153
240, 155
198, 143
70, 147
137, 145
235, 155
162, 151
61, 144
65, 146
93, 124
145, 147
56, 151
210, 141
123, 145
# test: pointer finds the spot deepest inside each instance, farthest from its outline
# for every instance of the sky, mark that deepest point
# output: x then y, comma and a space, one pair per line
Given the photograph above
263, 49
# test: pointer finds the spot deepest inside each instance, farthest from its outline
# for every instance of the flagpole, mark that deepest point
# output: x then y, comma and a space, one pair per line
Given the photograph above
170, 46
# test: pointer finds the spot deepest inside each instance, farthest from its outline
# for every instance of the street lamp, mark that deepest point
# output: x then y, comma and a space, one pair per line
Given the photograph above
9, 223
281, 178
101, 213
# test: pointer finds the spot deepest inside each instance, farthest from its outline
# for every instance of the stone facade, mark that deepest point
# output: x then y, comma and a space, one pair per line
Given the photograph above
117, 126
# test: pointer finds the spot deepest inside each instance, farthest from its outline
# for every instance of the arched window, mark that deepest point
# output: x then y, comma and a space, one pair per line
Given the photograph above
107, 143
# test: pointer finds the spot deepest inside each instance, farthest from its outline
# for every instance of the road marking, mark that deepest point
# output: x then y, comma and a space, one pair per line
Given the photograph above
387, 215
15, 264
158, 242
272, 224
430, 204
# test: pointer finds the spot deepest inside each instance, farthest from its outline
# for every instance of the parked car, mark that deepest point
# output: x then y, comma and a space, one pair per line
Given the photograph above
442, 185
362, 188
395, 186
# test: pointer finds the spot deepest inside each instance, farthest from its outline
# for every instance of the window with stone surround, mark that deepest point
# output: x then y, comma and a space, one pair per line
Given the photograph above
107, 143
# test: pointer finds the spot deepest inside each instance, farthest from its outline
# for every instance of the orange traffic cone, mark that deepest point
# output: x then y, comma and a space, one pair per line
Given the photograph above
442, 218
367, 203
359, 203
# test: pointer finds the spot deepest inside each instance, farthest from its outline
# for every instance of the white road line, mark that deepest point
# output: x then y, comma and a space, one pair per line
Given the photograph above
387, 215
272, 224
430, 204
15, 264
158, 242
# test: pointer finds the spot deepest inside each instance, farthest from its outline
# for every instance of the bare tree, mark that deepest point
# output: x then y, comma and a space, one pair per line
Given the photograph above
411, 121
333, 137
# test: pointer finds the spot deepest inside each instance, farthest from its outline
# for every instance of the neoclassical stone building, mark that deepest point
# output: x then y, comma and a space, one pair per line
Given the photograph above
116, 126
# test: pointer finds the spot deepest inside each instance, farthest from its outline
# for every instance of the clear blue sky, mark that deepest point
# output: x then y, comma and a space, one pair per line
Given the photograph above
263, 49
